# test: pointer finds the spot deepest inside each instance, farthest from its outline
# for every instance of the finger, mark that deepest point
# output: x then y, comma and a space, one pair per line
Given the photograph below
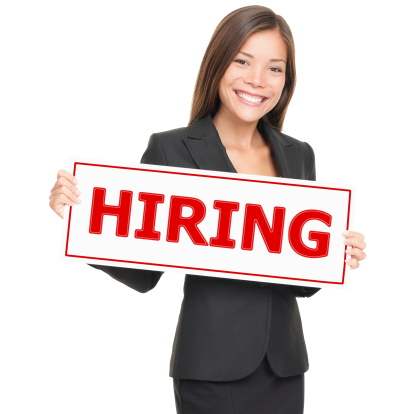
58, 204
64, 182
351, 233
55, 196
352, 263
355, 242
68, 176
61, 201
356, 253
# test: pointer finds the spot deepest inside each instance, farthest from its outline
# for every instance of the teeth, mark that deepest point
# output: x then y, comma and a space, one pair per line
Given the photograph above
249, 98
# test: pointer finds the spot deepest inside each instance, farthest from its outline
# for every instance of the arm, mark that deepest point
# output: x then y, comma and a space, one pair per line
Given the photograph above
65, 192
140, 280
354, 240
304, 291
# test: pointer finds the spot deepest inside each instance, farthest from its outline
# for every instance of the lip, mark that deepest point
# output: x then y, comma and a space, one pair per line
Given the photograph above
249, 93
264, 98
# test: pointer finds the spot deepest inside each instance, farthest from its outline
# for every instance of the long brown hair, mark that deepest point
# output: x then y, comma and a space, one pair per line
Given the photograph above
225, 43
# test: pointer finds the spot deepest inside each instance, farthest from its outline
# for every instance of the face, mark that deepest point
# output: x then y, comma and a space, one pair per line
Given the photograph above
253, 83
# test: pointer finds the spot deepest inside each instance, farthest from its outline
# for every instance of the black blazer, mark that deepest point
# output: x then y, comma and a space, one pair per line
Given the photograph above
226, 326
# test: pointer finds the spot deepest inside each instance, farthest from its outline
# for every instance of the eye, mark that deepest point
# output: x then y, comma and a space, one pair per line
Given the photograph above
241, 61
275, 69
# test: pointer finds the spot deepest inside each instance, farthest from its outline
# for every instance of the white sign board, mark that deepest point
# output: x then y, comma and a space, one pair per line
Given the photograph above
209, 223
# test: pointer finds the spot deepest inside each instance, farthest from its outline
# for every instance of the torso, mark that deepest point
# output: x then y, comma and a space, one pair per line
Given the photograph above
256, 161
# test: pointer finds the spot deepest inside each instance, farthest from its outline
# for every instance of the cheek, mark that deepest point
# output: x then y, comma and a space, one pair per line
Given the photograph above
278, 87
224, 88
231, 75
221, 92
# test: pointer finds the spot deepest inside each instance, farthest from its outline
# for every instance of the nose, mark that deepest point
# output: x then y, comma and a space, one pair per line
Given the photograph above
255, 77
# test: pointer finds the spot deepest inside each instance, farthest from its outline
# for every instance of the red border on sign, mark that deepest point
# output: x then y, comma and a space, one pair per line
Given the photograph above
203, 269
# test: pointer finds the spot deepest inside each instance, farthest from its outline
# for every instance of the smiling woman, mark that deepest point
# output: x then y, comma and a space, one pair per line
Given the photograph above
250, 88
239, 346
252, 84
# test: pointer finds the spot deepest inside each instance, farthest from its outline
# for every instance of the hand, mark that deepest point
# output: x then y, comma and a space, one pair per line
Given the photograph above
64, 192
356, 244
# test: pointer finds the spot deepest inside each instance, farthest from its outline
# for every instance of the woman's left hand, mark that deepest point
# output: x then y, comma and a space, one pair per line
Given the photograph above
356, 246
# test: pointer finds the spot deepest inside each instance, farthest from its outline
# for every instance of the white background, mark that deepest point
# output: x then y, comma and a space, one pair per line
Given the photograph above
95, 79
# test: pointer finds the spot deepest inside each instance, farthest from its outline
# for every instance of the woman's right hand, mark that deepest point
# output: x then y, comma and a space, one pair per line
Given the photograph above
64, 192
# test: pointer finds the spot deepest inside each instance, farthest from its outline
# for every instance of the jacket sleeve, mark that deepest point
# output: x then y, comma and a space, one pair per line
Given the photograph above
140, 280
304, 291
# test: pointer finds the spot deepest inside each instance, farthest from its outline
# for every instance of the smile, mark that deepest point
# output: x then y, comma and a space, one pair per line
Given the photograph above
250, 98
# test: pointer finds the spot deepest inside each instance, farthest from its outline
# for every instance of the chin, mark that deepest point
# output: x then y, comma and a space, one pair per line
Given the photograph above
250, 118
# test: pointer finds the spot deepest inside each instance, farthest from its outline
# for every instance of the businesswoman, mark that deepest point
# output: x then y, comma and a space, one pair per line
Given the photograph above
239, 345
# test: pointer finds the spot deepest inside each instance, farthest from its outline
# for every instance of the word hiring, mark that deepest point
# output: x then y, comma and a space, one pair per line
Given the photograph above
254, 216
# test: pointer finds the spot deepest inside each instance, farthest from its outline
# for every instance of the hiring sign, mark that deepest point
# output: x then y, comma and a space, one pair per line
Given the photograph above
209, 223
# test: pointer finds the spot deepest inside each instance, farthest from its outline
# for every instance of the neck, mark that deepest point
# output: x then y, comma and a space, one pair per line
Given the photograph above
234, 132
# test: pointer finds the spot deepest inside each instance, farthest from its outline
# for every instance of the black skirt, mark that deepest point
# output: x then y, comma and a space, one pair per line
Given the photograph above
262, 392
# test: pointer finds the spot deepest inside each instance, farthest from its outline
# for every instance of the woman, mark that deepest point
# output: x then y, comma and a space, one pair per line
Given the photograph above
239, 346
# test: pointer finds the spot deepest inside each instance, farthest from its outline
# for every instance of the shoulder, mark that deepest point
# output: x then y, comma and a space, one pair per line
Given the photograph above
168, 140
165, 147
301, 153
288, 141
172, 134
304, 148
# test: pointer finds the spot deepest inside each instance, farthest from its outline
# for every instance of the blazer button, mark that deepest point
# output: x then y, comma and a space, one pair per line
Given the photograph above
263, 284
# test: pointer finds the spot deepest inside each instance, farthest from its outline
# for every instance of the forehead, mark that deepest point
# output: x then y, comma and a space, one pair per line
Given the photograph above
267, 43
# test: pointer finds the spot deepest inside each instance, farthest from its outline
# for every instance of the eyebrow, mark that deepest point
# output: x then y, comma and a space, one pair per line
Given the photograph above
272, 60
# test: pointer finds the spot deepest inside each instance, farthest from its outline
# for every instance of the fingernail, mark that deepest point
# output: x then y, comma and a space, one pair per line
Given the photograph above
345, 233
75, 181
348, 250
78, 200
77, 192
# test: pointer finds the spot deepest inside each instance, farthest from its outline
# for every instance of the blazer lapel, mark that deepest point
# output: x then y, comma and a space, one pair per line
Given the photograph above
285, 153
207, 150
205, 146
